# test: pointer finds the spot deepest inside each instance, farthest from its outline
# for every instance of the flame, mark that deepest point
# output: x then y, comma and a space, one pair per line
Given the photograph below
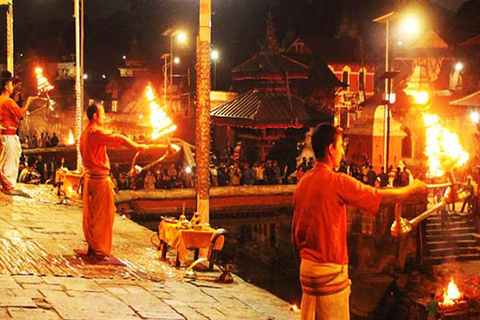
451, 294
71, 139
161, 122
295, 308
442, 148
42, 83
421, 97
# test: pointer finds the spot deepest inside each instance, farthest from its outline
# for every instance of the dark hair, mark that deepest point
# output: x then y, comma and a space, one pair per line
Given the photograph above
31, 161
6, 74
91, 110
324, 134
4, 82
16, 80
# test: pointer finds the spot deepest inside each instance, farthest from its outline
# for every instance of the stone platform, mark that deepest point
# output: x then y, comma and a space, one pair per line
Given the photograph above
42, 278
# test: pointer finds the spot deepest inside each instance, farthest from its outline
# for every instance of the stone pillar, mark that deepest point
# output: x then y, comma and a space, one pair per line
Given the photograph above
202, 130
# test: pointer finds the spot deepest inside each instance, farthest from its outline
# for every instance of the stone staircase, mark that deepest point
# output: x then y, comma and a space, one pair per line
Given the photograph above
456, 240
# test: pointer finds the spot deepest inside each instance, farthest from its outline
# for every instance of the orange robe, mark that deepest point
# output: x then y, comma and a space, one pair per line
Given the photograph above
98, 195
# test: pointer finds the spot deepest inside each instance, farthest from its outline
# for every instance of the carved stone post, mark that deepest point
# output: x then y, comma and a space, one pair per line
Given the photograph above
202, 131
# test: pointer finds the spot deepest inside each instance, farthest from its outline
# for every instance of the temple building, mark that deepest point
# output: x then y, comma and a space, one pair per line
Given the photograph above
277, 92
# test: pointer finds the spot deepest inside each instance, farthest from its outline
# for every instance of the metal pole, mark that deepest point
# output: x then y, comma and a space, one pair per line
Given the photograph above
10, 54
202, 130
386, 117
165, 80
215, 75
171, 70
78, 84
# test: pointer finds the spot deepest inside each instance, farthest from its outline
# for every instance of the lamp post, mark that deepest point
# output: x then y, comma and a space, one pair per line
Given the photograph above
386, 125
164, 57
215, 55
182, 38
410, 25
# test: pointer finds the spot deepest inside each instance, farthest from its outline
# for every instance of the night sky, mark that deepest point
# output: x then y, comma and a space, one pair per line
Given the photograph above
46, 27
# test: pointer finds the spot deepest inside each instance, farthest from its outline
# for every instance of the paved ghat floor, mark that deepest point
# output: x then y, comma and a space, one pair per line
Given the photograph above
42, 278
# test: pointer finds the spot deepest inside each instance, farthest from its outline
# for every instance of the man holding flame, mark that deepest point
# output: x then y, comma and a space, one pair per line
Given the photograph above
10, 114
319, 228
98, 205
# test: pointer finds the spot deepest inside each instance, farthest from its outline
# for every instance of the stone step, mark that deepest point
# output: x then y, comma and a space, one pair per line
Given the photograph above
449, 231
450, 224
450, 243
440, 259
453, 217
453, 251
450, 237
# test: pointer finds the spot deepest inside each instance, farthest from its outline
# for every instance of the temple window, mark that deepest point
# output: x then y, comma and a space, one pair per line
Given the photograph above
361, 81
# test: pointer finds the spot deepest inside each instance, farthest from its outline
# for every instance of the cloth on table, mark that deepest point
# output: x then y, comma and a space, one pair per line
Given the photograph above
183, 239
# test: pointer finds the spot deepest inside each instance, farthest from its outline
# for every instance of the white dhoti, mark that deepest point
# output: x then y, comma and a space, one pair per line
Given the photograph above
326, 291
9, 161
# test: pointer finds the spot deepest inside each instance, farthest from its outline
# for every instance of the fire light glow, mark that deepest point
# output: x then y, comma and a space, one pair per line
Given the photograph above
295, 308
71, 139
161, 122
43, 85
451, 294
442, 148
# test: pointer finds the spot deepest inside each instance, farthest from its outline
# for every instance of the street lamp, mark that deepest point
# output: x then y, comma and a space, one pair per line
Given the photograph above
181, 38
165, 67
215, 55
409, 25
164, 57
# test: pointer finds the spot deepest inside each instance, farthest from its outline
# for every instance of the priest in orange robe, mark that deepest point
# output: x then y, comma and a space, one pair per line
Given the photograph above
98, 194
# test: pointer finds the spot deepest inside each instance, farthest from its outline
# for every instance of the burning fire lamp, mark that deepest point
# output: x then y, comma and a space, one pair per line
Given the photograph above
162, 125
71, 139
44, 87
451, 296
295, 308
444, 153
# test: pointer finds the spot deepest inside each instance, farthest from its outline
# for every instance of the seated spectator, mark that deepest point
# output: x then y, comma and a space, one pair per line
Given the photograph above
122, 182
172, 175
115, 170
397, 180
235, 174
405, 177
303, 165
213, 175
311, 163
149, 183
222, 175
54, 140
259, 169
371, 176
29, 175
159, 184
115, 186
277, 173
248, 175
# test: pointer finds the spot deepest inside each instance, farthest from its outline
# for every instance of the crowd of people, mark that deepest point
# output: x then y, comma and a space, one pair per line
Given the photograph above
36, 170
45, 140
226, 173
400, 177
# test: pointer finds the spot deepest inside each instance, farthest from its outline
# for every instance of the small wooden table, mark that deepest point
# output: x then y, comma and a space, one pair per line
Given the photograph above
170, 234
